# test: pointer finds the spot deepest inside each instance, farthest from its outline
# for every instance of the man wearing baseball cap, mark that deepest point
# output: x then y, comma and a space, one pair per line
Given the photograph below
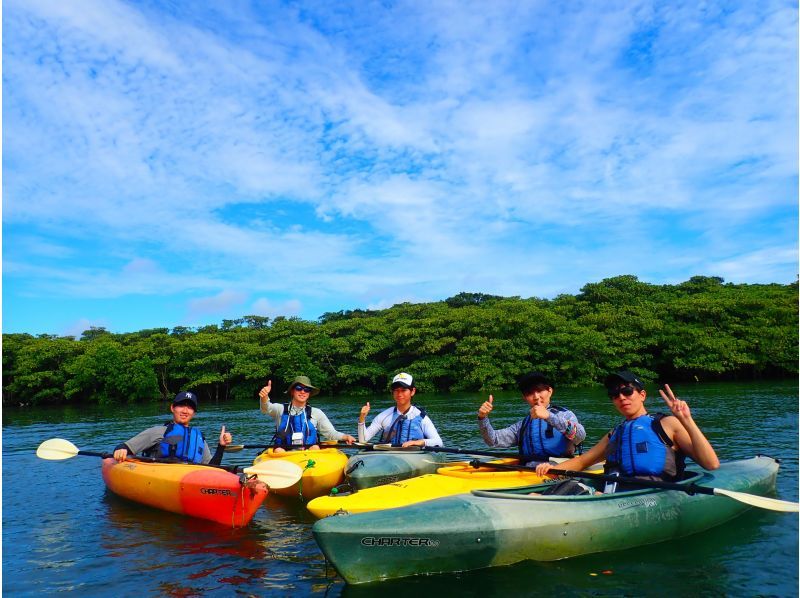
546, 431
176, 440
643, 445
402, 425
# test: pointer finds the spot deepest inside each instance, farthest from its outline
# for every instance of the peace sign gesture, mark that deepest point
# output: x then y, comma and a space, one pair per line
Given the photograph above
679, 408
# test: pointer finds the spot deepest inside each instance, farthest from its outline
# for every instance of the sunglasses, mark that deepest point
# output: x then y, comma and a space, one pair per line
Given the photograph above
625, 391
301, 388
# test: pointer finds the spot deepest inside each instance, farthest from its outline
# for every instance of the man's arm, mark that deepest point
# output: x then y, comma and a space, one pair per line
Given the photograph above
566, 423
324, 426
505, 438
378, 424
432, 437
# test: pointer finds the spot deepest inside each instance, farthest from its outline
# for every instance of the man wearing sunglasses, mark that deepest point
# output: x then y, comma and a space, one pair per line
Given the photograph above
298, 425
546, 431
645, 446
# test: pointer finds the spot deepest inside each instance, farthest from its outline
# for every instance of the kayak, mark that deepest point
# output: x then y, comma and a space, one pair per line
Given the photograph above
488, 528
194, 490
322, 470
457, 478
384, 466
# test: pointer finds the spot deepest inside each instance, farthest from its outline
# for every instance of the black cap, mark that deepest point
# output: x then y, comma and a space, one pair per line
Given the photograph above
623, 376
528, 381
185, 397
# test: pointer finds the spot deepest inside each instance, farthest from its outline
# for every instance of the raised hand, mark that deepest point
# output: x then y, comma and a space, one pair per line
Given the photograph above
225, 438
264, 392
362, 416
679, 408
486, 408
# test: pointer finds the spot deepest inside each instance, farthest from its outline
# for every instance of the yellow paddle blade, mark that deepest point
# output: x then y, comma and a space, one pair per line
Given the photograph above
276, 473
763, 502
56, 449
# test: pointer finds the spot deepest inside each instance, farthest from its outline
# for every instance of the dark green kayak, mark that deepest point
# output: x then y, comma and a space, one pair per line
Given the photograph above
386, 466
488, 528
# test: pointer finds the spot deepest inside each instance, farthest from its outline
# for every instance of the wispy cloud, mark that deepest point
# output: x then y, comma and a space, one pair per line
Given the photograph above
387, 153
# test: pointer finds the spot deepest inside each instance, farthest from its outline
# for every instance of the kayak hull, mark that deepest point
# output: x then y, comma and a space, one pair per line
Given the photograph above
374, 468
493, 528
455, 478
322, 470
193, 490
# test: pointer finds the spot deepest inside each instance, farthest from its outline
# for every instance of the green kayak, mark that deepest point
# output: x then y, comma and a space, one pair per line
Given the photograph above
489, 528
378, 467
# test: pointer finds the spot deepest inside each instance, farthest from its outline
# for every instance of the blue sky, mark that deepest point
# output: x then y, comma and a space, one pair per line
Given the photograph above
180, 163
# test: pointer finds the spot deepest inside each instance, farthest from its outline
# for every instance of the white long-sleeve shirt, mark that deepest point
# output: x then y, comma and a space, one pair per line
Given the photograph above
384, 420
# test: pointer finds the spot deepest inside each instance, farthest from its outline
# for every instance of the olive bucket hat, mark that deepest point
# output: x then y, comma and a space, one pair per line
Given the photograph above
305, 381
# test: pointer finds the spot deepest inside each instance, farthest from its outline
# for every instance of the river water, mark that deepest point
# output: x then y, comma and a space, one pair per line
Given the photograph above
63, 532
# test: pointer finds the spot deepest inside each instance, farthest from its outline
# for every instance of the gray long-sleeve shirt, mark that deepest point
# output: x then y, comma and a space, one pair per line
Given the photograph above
318, 418
564, 422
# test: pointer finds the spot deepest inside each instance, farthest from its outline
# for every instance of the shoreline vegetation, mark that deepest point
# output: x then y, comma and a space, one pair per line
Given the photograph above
702, 329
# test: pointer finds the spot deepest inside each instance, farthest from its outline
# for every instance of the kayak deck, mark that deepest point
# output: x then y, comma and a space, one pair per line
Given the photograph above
194, 490
384, 466
322, 470
456, 478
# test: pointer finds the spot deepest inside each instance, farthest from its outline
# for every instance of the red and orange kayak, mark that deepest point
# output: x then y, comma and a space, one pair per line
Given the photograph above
192, 490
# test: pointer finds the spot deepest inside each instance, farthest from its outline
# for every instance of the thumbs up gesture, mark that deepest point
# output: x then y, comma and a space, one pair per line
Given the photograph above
486, 408
362, 417
225, 438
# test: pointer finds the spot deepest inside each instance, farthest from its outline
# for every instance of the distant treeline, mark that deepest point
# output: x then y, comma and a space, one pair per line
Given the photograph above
700, 329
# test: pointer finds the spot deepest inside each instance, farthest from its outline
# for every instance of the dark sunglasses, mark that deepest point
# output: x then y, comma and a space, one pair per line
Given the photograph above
625, 391
301, 388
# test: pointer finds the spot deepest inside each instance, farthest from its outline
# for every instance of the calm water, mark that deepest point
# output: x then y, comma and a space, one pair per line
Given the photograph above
62, 532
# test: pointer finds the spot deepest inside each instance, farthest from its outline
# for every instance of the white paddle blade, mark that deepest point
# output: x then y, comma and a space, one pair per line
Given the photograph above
276, 474
56, 449
234, 448
773, 504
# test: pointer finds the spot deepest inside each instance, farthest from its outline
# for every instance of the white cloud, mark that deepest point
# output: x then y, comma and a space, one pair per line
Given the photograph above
402, 151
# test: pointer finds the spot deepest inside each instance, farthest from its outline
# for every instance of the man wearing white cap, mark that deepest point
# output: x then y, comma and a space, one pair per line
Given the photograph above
402, 425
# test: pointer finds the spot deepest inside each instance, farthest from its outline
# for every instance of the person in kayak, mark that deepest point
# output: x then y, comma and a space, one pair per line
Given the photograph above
645, 446
176, 439
402, 425
298, 424
546, 431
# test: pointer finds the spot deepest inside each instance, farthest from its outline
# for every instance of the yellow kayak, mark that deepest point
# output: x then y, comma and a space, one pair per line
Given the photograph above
322, 470
454, 479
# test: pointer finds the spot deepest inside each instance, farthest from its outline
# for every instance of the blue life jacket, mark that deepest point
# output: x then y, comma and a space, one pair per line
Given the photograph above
403, 429
189, 447
290, 424
641, 448
538, 440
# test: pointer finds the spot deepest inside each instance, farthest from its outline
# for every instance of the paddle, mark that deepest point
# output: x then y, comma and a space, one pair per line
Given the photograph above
457, 451
754, 500
235, 448
275, 474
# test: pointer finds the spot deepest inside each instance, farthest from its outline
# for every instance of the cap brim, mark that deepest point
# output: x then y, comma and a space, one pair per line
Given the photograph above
400, 385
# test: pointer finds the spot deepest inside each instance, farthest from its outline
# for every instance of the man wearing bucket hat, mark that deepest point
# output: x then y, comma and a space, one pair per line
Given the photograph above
402, 425
176, 439
643, 445
298, 424
546, 431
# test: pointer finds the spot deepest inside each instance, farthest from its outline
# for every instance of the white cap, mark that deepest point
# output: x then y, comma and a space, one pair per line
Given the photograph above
404, 380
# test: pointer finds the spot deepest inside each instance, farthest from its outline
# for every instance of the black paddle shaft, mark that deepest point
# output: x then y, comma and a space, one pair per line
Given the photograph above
688, 488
